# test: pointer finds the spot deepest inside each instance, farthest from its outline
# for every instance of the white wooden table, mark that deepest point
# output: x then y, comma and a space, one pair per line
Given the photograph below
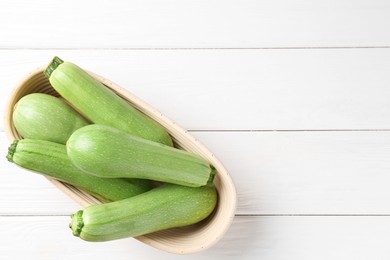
292, 96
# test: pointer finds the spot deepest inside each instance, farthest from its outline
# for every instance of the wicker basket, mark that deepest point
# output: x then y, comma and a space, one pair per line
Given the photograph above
184, 240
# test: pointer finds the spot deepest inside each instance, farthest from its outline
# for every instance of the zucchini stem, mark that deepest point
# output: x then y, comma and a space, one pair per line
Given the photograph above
212, 175
52, 66
77, 223
11, 150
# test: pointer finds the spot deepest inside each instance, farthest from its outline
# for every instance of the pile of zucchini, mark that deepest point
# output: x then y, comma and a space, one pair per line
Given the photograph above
94, 140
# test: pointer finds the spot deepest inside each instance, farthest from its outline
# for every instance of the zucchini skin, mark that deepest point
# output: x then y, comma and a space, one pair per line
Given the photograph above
108, 152
45, 117
50, 159
100, 104
161, 208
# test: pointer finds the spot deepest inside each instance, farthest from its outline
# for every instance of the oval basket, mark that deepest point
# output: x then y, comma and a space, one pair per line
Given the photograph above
184, 240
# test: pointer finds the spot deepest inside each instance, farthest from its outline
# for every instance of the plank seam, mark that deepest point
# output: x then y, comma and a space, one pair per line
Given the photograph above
195, 48
277, 130
288, 130
237, 215
312, 215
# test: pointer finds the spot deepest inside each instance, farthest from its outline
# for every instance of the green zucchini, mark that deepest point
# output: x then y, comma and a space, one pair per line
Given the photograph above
161, 208
45, 117
100, 104
50, 159
108, 152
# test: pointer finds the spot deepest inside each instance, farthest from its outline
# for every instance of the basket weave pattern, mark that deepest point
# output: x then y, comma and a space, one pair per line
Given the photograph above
183, 240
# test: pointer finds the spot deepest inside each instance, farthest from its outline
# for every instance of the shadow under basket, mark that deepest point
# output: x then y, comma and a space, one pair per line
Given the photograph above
183, 240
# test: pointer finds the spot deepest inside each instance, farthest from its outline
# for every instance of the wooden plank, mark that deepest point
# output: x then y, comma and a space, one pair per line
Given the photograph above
239, 89
306, 172
193, 24
274, 172
248, 238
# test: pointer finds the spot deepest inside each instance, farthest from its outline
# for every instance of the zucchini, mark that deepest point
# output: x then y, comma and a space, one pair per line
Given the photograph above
50, 159
108, 152
45, 117
161, 208
100, 104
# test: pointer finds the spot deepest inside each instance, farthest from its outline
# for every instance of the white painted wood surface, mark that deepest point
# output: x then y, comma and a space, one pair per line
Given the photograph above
194, 24
306, 89
283, 173
292, 96
276, 237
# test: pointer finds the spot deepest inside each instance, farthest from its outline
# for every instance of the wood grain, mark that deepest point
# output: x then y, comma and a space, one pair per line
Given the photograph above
306, 172
238, 89
194, 24
292, 96
249, 238
275, 173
